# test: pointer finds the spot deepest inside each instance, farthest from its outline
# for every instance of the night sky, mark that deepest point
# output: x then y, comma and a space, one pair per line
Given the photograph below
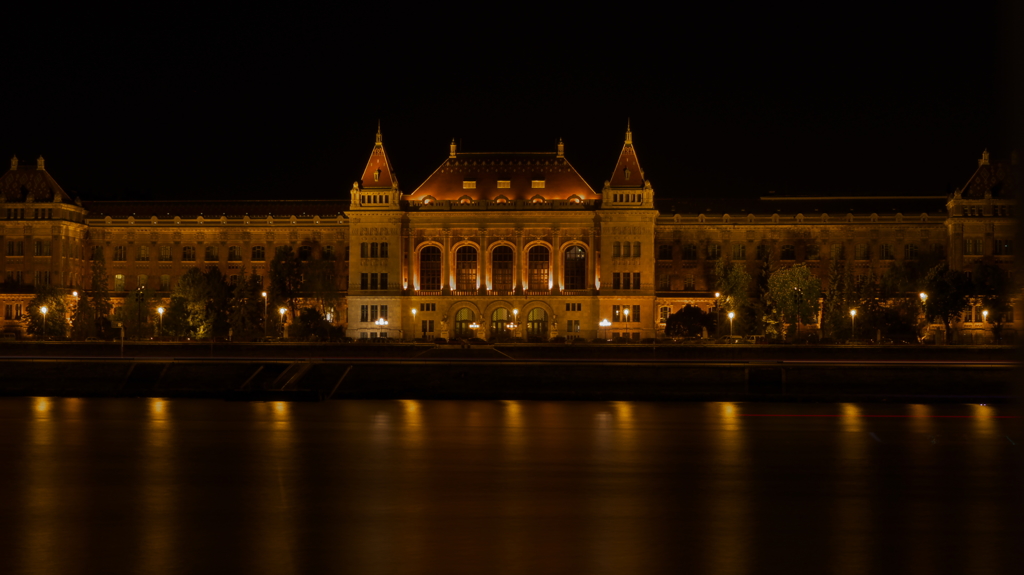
283, 103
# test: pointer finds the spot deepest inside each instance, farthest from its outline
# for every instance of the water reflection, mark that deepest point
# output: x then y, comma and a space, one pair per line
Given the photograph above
41, 490
851, 524
158, 493
727, 489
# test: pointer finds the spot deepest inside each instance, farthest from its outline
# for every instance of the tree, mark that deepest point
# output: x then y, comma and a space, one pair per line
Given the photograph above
285, 279
83, 319
56, 323
218, 295
246, 308
188, 313
733, 283
949, 292
320, 283
136, 313
99, 293
994, 290
311, 325
793, 294
691, 321
836, 302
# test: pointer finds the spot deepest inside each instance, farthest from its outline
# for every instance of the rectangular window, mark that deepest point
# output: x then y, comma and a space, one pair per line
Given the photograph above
384, 311
211, 253
143, 254
120, 253
910, 251
861, 252
468, 184
616, 313
690, 252
635, 316
373, 281
504, 184
664, 281
165, 282
364, 313
14, 277
886, 252
43, 247
42, 278
373, 313
616, 281
714, 251
664, 313
739, 252
165, 253
636, 280
537, 184
364, 281
188, 254
626, 284
140, 280
837, 251
788, 252
689, 283
16, 248
1003, 247
8, 311
119, 282
428, 307
572, 326
427, 326
813, 251
383, 281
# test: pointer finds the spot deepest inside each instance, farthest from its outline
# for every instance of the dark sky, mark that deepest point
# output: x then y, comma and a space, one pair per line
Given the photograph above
283, 103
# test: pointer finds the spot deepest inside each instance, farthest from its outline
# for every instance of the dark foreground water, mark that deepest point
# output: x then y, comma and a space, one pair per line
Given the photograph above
366, 487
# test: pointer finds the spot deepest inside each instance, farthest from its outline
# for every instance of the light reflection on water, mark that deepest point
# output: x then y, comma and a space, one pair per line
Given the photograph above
173, 486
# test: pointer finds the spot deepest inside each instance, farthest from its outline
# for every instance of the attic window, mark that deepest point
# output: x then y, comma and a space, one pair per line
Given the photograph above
376, 175
626, 172
537, 184
468, 184
504, 183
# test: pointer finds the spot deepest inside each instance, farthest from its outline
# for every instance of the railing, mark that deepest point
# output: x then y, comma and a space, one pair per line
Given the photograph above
575, 292
538, 292
501, 292
465, 292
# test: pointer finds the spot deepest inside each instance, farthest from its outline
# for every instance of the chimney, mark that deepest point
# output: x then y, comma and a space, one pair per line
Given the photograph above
452, 153
561, 148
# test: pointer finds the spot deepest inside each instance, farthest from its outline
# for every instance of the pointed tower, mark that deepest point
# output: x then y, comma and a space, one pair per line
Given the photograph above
378, 188
627, 187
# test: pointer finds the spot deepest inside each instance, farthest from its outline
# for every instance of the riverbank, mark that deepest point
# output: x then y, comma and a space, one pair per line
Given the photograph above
478, 374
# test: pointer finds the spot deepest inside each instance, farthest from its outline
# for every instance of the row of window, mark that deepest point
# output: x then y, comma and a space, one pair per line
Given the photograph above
373, 281
373, 250
625, 313
503, 268
37, 213
39, 247
975, 247
978, 211
626, 280
371, 313
625, 251
211, 253
788, 251
40, 278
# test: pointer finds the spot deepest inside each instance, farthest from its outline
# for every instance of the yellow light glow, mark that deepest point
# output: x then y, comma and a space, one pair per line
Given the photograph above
160, 310
732, 315
264, 294
42, 404
853, 313
43, 310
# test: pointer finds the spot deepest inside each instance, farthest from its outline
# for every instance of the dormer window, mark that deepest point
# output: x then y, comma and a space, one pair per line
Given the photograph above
465, 200
537, 184
537, 199
468, 184
501, 200
504, 184
626, 172
376, 175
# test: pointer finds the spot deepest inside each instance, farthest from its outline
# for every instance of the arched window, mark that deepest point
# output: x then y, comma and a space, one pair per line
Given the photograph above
910, 251
120, 253
636, 249
188, 254
537, 324
383, 249
539, 258
465, 268
500, 318
234, 254
211, 253
373, 250
625, 250
690, 252
364, 250
616, 250
665, 252
463, 318
259, 253
502, 268
575, 268
430, 268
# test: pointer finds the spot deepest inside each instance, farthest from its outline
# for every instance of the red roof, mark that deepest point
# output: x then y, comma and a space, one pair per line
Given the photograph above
485, 170
627, 172
21, 181
378, 172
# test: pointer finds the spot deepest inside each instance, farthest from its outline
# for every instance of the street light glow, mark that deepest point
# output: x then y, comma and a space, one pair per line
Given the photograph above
43, 310
853, 313
75, 293
924, 297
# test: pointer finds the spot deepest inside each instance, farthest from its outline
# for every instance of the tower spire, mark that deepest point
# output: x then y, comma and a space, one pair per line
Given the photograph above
627, 172
378, 172
629, 133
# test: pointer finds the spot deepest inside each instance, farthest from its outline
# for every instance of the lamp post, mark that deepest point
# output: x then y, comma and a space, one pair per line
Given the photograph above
853, 324
282, 311
160, 310
718, 313
139, 296
731, 315
474, 326
515, 321
382, 324
605, 324
43, 310
625, 312
265, 315
413, 330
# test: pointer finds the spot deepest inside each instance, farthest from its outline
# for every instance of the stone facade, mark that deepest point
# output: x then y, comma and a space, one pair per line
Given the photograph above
491, 241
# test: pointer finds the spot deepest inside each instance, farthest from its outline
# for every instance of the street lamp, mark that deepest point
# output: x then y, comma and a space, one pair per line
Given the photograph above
160, 310
382, 323
731, 315
413, 330
43, 310
625, 312
264, 315
139, 296
282, 311
605, 324
984, 316
515, 321
853, 324
718, 313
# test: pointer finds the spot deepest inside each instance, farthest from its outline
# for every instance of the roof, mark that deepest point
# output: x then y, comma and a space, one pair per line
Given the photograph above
378, 172
483, 171
996, 178
217, 208
23, 182
627, 172
808, 206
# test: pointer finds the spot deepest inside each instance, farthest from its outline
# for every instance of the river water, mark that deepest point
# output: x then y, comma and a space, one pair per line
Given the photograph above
367, 487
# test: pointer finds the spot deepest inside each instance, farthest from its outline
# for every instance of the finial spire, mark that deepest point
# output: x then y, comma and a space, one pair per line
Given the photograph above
629, 133
452, 153
40, 163
378, 132
14, 162
984, 158
561, 148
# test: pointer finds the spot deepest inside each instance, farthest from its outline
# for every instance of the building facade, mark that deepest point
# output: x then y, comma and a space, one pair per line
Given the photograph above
493, 244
